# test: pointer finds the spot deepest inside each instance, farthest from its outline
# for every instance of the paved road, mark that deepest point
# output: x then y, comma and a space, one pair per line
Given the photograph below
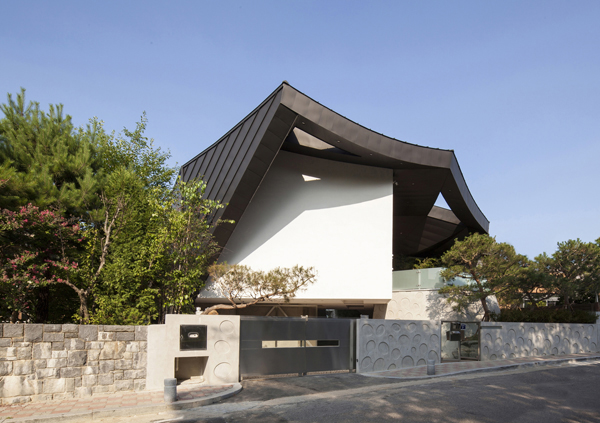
557, 394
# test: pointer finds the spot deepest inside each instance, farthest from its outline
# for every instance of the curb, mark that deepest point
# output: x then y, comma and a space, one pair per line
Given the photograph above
487, 369
130, 411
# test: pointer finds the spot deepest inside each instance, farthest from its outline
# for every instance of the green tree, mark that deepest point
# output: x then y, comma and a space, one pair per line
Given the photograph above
490, 266
243, 287
44, 160
575, 270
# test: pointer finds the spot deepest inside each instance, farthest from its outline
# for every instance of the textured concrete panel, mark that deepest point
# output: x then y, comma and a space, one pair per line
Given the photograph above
392, 344
510, 340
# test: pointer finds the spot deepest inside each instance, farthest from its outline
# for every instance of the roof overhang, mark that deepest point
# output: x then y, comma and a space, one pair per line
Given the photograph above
235, 165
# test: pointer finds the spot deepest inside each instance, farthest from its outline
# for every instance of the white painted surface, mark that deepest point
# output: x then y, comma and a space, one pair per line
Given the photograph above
223, 349
394, 344
336, 217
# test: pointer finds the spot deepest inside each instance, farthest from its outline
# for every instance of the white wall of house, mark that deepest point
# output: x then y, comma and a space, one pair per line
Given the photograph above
336, 217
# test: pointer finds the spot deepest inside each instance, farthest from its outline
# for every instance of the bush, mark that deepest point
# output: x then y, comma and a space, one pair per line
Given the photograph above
545, 315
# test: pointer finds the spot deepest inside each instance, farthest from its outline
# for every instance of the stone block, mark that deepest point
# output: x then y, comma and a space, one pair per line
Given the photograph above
94, 345
23, 353
69, 335
58, 346
63, 396
128, 355
139, 385
133, 347
13, 330
123, 385
125, 336
106, 336
22, 344
118, 374
54, 386
42, 350
5, 342
77, 358
101, 389
140, 360
52, 328
16, 386
90, 370
114, 328
88, 332
93, 355
123, 364
112, 350
69, 372
77, 382
47, 373
134, 374
106, 379
40, 364
93, 363
143, 346
60, 354
70, 328
89, 380
74, 344
16, 400
69, 384
33, 333
141, 333
41, 397
83, 392
11, 353
6, 368
22, 367
106, 366
53, 336
57, 363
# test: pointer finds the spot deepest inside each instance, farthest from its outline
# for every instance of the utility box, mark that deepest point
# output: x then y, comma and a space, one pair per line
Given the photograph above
192, 337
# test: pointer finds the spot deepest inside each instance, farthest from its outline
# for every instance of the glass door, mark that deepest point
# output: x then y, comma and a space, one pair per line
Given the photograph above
460, 341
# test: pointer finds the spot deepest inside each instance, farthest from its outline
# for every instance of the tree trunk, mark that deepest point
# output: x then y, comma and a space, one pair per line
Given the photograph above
42, 309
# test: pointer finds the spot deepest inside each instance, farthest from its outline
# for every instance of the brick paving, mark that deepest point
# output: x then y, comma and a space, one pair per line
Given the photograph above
444, 369
117, 400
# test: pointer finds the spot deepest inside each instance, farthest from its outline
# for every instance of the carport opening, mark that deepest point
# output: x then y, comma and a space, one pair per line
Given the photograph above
190, 369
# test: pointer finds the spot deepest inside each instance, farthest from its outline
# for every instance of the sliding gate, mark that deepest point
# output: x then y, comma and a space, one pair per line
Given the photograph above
286, 345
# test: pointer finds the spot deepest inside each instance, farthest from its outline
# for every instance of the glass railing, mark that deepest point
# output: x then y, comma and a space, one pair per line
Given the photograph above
422, 279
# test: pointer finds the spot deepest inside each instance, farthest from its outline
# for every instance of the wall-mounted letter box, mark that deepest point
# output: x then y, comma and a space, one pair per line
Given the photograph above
192, 337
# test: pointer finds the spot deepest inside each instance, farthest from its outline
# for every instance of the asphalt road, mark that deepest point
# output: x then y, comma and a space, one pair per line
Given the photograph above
557, 394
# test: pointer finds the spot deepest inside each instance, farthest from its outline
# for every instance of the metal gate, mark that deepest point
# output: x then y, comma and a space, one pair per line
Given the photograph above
285, 345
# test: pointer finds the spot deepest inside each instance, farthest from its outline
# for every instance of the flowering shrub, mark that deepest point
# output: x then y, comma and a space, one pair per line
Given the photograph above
37, 247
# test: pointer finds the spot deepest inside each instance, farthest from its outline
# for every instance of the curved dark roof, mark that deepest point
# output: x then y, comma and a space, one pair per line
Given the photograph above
234, 166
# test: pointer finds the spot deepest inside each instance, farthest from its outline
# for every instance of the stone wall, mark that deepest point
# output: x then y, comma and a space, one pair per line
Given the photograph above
510, 340
393, 344
41, 362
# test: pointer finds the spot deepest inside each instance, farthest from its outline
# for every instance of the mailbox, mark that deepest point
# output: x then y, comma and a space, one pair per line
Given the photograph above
455, 333
192, 337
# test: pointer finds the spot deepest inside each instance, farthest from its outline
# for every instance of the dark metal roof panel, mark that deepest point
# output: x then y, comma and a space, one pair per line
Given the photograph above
235, 165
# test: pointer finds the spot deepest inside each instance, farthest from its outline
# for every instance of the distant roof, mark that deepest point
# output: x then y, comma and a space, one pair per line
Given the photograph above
234, 166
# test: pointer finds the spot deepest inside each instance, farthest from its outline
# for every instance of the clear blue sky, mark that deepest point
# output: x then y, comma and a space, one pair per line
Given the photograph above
512, 86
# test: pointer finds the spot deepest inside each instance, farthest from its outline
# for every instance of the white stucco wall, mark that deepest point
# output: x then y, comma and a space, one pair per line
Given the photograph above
222, 352
336, 217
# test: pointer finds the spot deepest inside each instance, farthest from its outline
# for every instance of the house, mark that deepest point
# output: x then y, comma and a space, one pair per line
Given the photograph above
305, 185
